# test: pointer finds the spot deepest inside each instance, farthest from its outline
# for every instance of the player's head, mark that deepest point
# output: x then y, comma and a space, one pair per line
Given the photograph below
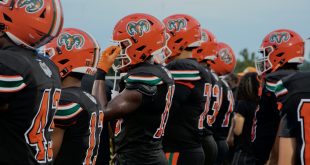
279, 48
140, 36
74, 51
225, 60
248, 88
208, 48
184, 33
31, 23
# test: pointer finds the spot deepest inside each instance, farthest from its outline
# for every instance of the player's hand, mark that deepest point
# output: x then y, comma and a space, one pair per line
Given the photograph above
107, 58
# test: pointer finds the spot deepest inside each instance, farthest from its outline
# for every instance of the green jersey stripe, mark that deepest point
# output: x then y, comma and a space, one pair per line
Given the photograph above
68, 110
145, 80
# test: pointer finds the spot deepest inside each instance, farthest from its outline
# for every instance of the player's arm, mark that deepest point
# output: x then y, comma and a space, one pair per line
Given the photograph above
57, 138
239, 121
126, 102
10, 83
287, 148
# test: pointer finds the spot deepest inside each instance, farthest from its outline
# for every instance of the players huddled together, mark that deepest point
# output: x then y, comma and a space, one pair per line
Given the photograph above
177, 102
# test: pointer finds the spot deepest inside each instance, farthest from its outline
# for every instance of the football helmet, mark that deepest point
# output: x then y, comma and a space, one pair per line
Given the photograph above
31, 23
208, 48
139, 36
278, 48
184, 31
207, 36
75, 51
225, 60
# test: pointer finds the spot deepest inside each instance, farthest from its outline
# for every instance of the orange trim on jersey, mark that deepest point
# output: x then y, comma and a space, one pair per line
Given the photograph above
167, 155
10, 76
187, 84
175, 158
280, 105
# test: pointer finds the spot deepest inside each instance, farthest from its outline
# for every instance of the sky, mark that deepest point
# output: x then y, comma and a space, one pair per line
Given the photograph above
240, 23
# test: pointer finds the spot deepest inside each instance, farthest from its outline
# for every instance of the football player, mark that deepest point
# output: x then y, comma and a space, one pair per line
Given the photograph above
142, 107
29, 83
78, 119
220, 59
206, 52
283, 50
185, 127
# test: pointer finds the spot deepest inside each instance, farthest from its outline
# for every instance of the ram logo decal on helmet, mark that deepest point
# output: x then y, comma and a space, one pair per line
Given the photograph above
177, 24
279, 37
32, 6
204, 36
225, 56
70, 41
140, 27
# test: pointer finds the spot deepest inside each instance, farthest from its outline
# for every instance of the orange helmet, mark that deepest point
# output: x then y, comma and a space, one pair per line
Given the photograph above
207, 36
74, 51
31, 23
278, 48
208, 48
139, 36
225, 60
184, 31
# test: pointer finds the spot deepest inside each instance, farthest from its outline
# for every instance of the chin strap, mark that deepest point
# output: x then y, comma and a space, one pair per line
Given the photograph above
114, 91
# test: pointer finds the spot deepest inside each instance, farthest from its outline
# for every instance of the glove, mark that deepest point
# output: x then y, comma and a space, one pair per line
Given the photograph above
107, 58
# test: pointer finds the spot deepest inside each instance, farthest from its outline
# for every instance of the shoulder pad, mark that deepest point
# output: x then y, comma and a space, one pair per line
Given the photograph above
277, 76
77, 95
142, 88
69, 110
148, 80
14, 61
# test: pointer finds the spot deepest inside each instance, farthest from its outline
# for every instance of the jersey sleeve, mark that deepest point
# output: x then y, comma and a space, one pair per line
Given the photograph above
10, 83
67, 114
145, 84
185, 75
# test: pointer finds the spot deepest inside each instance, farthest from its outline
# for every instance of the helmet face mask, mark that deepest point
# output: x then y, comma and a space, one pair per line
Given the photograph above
263, 64
122, 60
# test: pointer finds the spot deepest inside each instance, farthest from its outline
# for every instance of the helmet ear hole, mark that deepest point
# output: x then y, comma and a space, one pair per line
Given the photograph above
141, 48
7, 18
280, 54
64, 61
178, 40
151, 22
42, 15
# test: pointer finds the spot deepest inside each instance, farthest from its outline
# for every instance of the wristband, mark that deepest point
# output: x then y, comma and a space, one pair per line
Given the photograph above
100, 74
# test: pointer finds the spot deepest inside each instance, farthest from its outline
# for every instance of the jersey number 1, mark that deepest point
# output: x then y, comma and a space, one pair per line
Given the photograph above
304, 119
